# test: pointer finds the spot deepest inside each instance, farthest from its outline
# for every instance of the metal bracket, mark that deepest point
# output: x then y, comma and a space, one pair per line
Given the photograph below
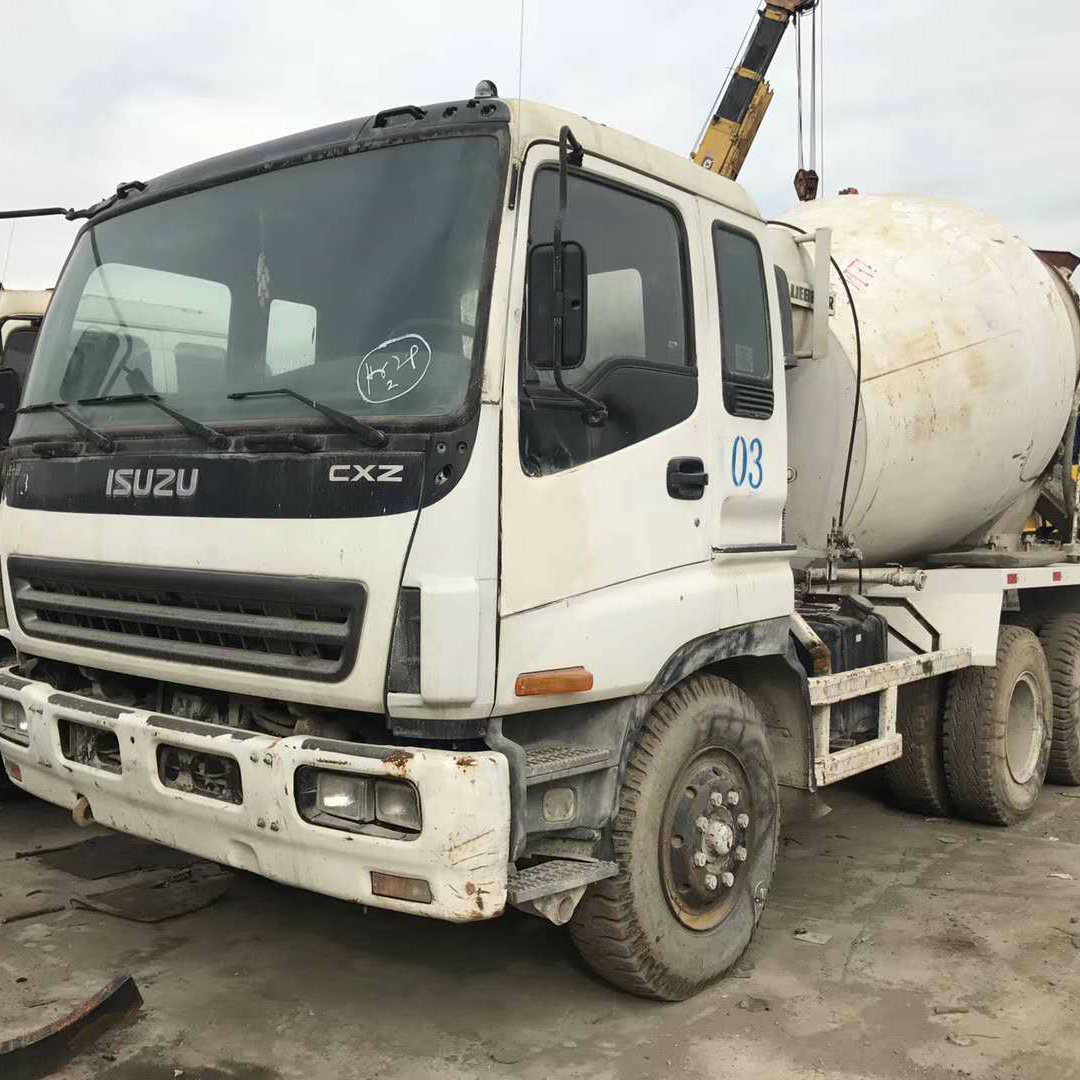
822, 241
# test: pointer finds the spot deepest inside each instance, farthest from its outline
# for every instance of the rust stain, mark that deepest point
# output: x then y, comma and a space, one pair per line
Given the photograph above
399, 760
466, 762
470, 888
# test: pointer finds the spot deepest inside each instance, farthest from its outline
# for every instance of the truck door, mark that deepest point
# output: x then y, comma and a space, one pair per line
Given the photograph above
745, 340
590, 507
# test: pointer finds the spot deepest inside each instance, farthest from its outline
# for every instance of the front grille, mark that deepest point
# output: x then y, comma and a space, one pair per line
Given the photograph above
293, 627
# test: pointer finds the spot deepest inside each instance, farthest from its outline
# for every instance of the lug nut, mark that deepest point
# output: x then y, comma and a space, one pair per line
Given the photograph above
710, 881
733, 798
699, 858
728, 878
742, 820
716, 799
702, 824
740, 854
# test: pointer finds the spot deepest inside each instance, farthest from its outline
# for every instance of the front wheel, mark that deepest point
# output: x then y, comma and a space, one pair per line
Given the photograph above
695, 838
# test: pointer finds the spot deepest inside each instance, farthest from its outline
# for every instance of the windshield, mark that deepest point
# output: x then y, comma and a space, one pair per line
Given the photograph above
355, 280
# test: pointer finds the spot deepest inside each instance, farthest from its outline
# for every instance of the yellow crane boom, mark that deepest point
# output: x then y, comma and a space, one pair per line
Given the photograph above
730, 132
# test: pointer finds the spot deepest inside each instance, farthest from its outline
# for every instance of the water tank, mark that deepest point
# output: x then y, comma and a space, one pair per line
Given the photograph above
970, 355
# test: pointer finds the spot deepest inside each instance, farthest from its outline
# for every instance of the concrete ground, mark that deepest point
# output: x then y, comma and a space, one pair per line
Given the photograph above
922, 917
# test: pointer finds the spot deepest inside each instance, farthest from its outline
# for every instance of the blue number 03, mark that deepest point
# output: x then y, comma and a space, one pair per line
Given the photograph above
746, 466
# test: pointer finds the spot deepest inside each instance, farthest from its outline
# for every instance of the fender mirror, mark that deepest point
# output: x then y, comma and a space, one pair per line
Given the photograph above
10, 395
543, 301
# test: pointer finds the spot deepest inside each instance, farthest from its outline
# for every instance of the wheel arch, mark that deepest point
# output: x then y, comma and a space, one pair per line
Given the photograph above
759, 658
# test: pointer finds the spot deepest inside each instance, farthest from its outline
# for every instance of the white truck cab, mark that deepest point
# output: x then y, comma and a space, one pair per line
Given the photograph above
21, 312
397, 511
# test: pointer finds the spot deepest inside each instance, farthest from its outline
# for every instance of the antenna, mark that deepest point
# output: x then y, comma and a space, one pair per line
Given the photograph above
521, 65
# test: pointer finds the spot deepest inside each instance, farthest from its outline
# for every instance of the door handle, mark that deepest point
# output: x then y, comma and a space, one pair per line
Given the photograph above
686, 478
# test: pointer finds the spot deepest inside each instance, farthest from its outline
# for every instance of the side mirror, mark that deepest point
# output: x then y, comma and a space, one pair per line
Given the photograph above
542, 306
10, 396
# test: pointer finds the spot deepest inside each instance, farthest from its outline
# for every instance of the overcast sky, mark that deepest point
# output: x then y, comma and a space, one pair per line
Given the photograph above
973, 102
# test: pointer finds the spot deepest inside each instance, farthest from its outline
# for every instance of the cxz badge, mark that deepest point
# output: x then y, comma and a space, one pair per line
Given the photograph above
373, 474
152, 483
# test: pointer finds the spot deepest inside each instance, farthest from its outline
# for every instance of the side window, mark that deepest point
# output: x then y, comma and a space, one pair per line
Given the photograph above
746, 352
639, 357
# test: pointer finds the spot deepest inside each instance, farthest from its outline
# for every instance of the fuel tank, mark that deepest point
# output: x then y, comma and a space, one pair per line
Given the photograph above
970, 357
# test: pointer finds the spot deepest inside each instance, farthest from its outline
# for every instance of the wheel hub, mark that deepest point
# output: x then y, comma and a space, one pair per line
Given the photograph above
703, 842
1025, 730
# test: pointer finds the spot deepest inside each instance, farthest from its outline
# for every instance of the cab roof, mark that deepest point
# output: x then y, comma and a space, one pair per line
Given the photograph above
541, 123
530, 123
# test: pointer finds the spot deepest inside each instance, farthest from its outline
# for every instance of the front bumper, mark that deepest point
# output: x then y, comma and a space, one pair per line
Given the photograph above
462, 850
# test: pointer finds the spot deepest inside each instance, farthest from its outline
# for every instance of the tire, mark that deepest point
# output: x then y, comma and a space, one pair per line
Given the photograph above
917, 780
998, 727
1029, 620
1061, 641
658, 929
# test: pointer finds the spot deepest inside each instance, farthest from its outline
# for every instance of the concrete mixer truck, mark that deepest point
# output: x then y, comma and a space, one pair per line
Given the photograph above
513, 512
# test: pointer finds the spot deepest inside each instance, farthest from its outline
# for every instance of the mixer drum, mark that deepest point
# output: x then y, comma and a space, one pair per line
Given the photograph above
970, 354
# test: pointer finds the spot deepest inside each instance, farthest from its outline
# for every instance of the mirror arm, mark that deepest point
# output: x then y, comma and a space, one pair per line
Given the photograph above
570, 152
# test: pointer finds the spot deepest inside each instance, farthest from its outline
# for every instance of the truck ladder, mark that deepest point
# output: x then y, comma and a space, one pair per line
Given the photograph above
883, 680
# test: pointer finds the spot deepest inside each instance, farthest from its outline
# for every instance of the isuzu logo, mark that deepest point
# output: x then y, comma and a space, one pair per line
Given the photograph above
152, 483
374, 474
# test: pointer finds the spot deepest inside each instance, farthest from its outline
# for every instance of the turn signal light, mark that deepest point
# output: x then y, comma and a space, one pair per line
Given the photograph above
400, 888
567, 680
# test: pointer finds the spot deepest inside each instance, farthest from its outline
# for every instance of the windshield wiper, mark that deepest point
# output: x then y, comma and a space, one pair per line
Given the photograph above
103, 442
211, 437
371, 435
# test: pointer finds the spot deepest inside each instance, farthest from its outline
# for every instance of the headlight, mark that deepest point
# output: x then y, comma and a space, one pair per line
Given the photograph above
397, 804
360, 804
14, 724
343, 796
404, 674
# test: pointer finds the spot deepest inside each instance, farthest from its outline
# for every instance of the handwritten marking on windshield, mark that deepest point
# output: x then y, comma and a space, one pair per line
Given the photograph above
393, 368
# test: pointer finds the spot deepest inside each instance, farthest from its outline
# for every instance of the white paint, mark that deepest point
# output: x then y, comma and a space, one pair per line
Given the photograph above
970, 356
370, 550
449, 640
461, 851
402, 370
20, 302
454, 555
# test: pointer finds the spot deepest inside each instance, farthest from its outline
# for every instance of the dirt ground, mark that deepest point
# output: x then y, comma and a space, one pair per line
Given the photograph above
923, 918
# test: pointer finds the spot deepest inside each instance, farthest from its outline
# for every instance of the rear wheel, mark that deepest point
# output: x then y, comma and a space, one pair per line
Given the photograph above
998, 725
917, 779
695, 837
1061, 640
